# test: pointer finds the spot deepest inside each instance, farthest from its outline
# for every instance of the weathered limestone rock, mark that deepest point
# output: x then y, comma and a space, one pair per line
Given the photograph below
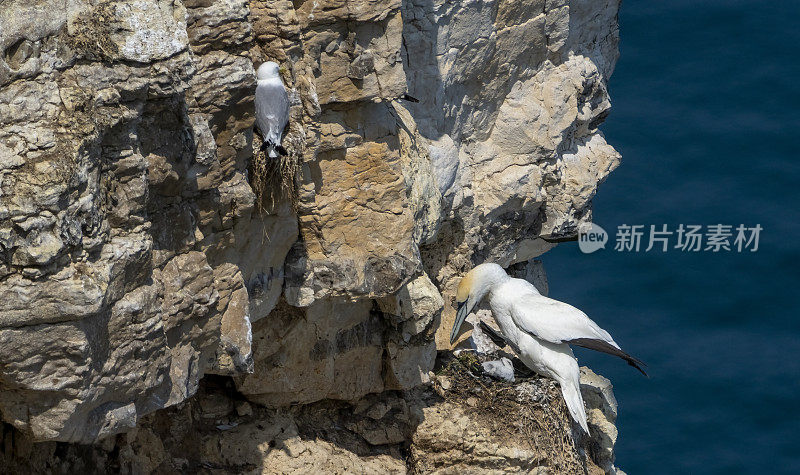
123, 203
526, 428
510, 107
331, 350
136, 257
601, 413
415, 306
357, 228
414, 312
338, 349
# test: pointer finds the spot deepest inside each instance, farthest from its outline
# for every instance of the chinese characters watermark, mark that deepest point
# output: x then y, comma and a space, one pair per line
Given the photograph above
684, 238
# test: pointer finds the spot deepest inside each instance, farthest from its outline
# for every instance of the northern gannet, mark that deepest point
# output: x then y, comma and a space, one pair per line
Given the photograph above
538, 328
272, 108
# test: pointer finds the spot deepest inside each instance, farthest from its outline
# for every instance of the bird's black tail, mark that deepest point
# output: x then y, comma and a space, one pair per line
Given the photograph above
268, 145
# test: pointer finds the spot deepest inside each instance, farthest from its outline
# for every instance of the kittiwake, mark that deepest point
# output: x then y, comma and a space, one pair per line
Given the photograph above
272, 108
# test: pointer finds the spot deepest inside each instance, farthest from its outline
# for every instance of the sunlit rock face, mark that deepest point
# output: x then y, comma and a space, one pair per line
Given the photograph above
135, 257
131, 249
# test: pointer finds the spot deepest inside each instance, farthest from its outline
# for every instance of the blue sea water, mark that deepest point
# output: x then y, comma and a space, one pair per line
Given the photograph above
706, 114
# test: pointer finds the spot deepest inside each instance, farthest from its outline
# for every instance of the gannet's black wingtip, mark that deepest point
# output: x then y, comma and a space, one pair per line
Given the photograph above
636, 364
605, 347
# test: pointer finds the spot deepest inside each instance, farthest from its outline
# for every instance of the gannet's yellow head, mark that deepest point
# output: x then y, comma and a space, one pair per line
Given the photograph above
472, 288
464, 288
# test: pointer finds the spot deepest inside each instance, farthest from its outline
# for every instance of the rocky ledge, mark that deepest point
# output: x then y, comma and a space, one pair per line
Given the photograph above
462, 422
144, 253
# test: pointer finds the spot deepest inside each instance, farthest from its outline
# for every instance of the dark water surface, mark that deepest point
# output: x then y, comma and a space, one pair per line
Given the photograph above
706, 113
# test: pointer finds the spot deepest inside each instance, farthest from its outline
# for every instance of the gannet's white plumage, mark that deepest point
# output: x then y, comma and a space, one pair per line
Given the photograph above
272, 107
540, 329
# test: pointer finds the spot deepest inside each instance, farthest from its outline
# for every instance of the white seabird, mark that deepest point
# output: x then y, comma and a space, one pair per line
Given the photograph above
272, 108
540, 329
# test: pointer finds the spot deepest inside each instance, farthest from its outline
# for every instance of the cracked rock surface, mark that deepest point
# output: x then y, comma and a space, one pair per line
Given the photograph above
137, 259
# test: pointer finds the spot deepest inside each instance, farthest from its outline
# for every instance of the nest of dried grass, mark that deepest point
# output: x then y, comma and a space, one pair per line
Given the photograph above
529, 411
274, 180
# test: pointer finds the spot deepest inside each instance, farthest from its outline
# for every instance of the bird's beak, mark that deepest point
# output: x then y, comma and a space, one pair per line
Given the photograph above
461, 315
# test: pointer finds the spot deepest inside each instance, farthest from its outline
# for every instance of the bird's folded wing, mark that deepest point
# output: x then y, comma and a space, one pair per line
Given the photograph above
272, 105
554, 321
558, 322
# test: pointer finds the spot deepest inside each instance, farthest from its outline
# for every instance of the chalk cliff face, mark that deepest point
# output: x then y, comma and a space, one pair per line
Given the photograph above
136, 257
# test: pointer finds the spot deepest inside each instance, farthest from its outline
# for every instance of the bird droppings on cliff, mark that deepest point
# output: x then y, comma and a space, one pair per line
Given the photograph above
538, 328
272, 108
